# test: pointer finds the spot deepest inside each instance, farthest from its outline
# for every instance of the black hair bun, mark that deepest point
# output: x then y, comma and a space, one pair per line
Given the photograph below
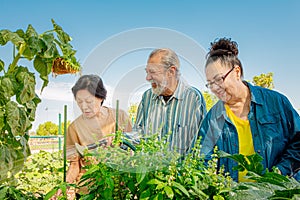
223, 47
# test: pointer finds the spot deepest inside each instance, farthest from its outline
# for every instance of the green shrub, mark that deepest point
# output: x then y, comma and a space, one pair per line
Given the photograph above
41, 172
152, 172
11, 192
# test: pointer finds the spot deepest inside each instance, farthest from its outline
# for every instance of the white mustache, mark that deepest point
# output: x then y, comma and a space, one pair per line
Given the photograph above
152, 81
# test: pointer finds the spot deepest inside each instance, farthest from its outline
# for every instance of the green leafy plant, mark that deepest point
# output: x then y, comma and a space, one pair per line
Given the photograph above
63, 187
11, 192
17, 88
266, 185
41, 172
151, 172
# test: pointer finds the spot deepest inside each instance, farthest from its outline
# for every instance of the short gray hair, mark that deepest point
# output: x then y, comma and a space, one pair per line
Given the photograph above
168, 57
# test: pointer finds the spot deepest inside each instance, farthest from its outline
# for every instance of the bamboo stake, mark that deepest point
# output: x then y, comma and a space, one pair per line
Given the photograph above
117, 115
65, 142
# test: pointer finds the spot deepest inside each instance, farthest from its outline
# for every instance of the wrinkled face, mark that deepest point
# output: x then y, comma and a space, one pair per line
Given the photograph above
88, 103
221, 80
157, 75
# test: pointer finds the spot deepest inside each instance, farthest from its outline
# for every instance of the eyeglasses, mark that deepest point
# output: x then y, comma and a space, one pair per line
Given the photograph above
219, 80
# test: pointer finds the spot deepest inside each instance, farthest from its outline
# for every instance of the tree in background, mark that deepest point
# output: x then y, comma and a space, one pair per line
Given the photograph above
50, 128
132, 111
264, 80
47, 128
210, 99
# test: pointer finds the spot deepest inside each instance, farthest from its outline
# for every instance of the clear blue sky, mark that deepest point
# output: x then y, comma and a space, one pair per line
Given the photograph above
267, 31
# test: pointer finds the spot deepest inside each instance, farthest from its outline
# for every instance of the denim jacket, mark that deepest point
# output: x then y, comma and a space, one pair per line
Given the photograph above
275, 127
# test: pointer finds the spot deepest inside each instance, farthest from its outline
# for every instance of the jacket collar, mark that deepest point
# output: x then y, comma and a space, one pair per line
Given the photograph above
256, 97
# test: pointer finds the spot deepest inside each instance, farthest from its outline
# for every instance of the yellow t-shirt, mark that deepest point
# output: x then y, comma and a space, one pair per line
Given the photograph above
246, 147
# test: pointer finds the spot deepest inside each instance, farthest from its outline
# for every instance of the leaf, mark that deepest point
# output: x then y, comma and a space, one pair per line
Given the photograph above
25, 146
7, 89
272, 178
181, 188
32, 48
169, 192
16, 118
43, 68
31, 31
67, 50
36, 100
255, 165
31, 108
142, 186
154, 182
21, 33
110, 182
250, 190
159, 196
218, 197
145, 195
2, 122
12, 158
26, 81
250, 163
160, 186
88, 174
62, 36
50, 50
4, 36
1, 65
51, 193
141, 173
3, 191
107, 193
289, 193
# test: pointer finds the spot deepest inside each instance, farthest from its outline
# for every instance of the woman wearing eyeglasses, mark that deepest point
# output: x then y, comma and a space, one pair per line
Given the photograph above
247, 119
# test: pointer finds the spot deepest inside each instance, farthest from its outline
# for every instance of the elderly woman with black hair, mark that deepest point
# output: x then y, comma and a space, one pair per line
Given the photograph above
247, 119
95, 123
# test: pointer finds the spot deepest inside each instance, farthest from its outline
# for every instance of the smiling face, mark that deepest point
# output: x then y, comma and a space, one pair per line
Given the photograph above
88, 103
221, 80
157, 75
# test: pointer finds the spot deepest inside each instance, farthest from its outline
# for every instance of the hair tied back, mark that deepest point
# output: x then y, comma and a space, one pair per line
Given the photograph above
223, 47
